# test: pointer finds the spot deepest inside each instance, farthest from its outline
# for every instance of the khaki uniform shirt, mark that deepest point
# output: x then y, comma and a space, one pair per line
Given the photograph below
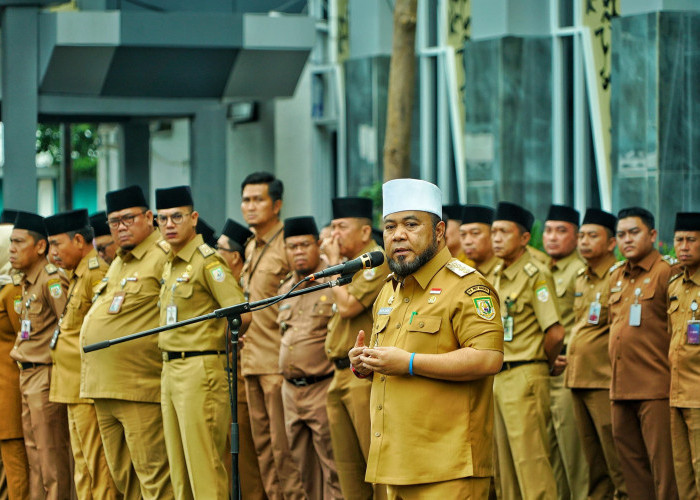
303, 324
265, 267
684, 357
65, 376
131, 370
365, 286
10, 396
587, 357
526, 285
488, 268
639, 354
196, 281
44, 289
564, 273
538, 254
426, 430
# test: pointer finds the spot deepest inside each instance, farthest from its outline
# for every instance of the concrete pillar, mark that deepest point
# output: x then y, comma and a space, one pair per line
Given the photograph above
20, 55
137, 156
208, 163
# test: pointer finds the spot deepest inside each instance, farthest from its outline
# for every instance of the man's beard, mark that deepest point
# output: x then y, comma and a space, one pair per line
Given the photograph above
402, 269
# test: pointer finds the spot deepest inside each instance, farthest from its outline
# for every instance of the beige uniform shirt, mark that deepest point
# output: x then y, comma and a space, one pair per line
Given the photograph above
639, 354
303, 324
564, 273
525, 288
365, 286
65, 376
426, 430
265, 267
196, 281
587, 357
126, 303
684, 356
43, 300
488, 268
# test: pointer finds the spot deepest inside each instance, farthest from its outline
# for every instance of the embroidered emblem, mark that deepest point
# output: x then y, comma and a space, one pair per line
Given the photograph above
484, 308
369, 274
542, 293
217, 273
432, 299
55, 288
478, 288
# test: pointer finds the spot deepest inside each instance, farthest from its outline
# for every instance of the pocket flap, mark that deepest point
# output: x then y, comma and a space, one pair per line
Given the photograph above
425, 324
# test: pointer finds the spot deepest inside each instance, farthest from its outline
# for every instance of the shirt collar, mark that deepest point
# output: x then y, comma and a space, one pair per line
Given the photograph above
489, 264
645, 263
84, 262
267, 237
602, 267
186, 253
140, 250
695, 278
564, 262
512, 271
428, 270
33, 273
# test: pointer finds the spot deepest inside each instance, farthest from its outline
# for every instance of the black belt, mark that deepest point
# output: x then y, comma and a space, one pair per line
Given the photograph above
304, 381
507, 365
171, 355
341, 363
23, 365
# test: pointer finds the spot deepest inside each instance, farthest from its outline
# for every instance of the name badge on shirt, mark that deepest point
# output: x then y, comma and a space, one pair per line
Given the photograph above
636, 309
594, 311
508, 329
25, 330
116, 304
384, 311
171, 314
693, 332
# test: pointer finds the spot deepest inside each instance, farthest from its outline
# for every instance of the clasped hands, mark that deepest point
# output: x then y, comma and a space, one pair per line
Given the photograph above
383, 360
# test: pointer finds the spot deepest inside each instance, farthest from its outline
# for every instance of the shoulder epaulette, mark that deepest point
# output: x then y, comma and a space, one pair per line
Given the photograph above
459, 268
287, 277
16, 279
164, 245
50, 268
669, 260
205, 250
93, 263
581, 271
675, 277
617, 265
531, 269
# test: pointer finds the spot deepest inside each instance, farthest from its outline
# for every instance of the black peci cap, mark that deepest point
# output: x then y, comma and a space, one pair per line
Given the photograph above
30, 222
687, 221
451, 212
122, 199
178, 196
236, 232
208, 233
596, 216
352, 207
8, 216
98, 221
65, 222
514, 213
299, 226
477, 213
564, 213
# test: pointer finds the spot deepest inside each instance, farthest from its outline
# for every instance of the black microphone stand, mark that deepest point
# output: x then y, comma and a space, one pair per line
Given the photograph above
233, 316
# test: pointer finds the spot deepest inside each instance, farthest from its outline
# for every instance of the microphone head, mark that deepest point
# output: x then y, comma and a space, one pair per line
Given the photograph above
376, 258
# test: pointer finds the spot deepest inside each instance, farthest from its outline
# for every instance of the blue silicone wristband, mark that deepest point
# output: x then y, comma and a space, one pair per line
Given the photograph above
410, 364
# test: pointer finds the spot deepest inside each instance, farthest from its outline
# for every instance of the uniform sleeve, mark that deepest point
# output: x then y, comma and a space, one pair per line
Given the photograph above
221, 283
543, 301
366, 285
477, 321
57, 303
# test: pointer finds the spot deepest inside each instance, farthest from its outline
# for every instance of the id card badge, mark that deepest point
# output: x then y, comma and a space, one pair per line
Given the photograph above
635, 314
54, 339
116, 304
25, 330
594, 313
693, 332
171, 314
508, 329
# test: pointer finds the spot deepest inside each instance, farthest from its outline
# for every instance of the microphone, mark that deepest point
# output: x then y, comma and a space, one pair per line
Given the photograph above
364, 261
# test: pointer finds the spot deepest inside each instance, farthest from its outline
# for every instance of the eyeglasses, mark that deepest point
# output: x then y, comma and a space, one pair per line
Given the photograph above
127, 220
103, 248
304, 246
224, 249
177, 218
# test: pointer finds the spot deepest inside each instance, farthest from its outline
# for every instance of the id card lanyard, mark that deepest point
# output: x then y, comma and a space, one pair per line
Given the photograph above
57, 331
508, 321
693, 331
594, 311
26, 327
636, 309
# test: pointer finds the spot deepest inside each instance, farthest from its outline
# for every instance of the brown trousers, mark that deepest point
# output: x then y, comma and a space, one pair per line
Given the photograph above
14, 459
46, 439
280, 472
642, 433
468, 488
308, 432
685, 433
592, 409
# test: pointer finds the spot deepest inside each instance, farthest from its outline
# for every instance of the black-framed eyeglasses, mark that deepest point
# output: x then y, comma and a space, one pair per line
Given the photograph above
103, 248
127, 220
224, 249
177, 218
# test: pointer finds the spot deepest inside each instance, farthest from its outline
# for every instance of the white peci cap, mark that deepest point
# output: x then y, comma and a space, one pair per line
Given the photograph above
411, 194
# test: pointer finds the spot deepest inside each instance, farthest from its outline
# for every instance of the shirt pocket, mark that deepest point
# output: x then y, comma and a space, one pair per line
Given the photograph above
672, 307
283, 317
323, 309
421, 334
378, 330
183, 291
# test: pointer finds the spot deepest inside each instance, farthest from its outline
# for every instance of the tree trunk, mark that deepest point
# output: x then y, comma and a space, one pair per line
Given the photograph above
397, 140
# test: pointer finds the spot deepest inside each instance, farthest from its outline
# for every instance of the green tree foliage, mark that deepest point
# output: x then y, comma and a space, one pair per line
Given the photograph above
84, 145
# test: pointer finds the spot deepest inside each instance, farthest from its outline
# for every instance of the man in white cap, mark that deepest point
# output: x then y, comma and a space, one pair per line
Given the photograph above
437, 339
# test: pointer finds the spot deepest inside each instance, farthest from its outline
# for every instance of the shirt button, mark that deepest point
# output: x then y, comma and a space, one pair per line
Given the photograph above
632, 280
379, 407
407, 300
421, 324
377, 434
328, 350
398, 325
382, 378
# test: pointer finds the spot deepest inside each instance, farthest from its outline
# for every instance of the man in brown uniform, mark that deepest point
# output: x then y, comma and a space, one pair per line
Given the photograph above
194, 395
588, 370
452, 217
568, 460
265, 266
307, 371
533, 338
124, 380
104, 243
348, 396
231, 246
638, 349
684, 355
475, 238
445, 348
70, 244
43, 299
